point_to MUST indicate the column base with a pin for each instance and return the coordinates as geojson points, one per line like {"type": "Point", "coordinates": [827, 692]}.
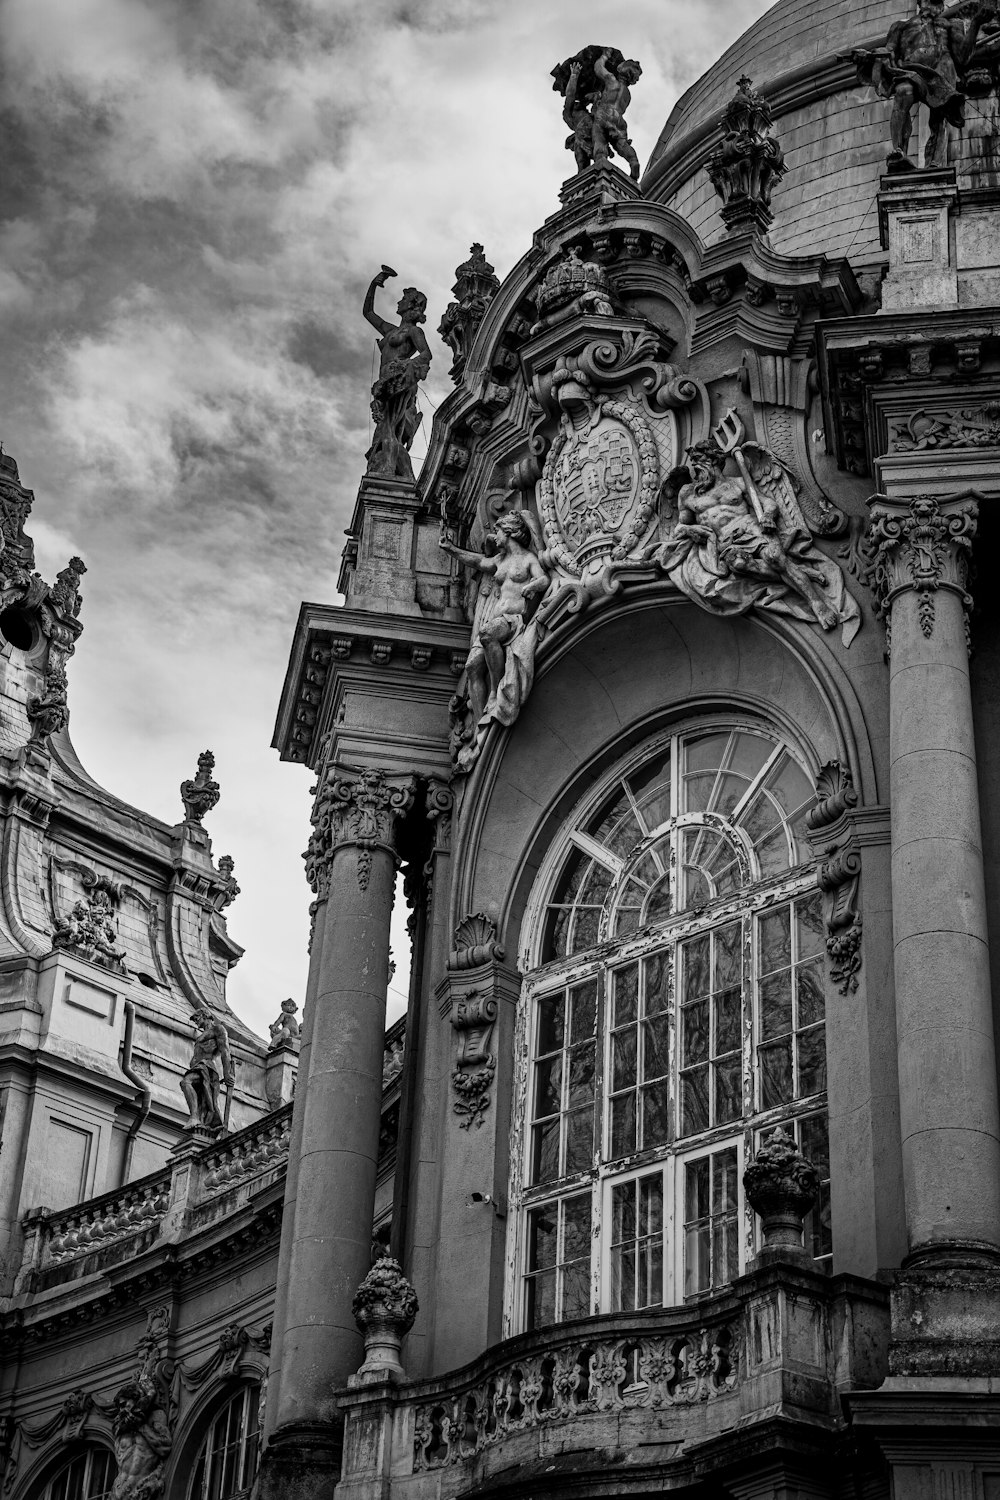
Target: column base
{"type": "Point", "coordinates": [301, 1462]}
{"type": "Point", "coordinates": [945, 1312]}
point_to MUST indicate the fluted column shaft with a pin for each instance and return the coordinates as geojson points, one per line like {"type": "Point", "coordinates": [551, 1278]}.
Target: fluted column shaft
{"type": "Point", "coordinates": [949, 1117]}
{"type": "Point", "coordinates": [330, 1193]}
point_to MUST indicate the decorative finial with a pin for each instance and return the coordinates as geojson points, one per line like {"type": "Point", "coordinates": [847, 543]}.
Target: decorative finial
{"type": "Point", "coordinates": [596, 88]}
{"type": "Point", "coordinates": [748, 163]}
{"type": "Point", "coordinates": [474, 289]}
{"type": "Point", "coordinates": [227, 866]}
{"type": "Point", "coordinates": [200, 795]}
{"type": "Point", "coordinates": [781, 1186]}
{"type": "Point", "coordinates": [404, 361]}
{"type": "Point", "coordinates": [385, 1306]}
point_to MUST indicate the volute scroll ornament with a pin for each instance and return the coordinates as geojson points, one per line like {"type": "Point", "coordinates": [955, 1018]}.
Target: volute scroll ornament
{"type": "Point", "coordinates": [360, 808]}
{"type": "Point", "coordinates": [924, 546]}
{"type": "Point", "coordinates": [474, 1018]}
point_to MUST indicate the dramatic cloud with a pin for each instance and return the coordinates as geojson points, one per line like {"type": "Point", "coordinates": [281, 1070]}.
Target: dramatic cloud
{"type": "Point", "coordinates": [196, 195]}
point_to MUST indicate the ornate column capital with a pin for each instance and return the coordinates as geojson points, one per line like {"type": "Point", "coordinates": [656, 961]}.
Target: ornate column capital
{"type": "Point", "coordinates": [360, 808]}
{"type": "Point", "coordinates": [922, 545]}
{"type": "Point", "coordinates": [440, 809]}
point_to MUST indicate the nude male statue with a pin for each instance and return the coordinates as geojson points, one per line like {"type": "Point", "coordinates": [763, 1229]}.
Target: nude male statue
{"type": "Point", "coordinates": [609, 112]}
{"type": "Point", "coordinates": [200, 1084]}
{"type": "Point", "coordinates": [504, 611]}
{"type": "Point", "coordinates": [579, 119]}
{"type": "Point", "coordinates": [142, 1441]}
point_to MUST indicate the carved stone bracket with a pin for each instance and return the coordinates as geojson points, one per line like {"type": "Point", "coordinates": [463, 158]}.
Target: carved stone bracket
{"type": "Point", "coordinates": [475, 943]}
{"type": "Point", "coordinates": [925, 546]}
{"type": "Point", "coordinates": [360, 808]}
{"type": "Point", "coordinates": [839, 878]}
{"type": "Point", "coordinates": [835, 794]}
{"type": "Point", "coordinates": [474, 1019]}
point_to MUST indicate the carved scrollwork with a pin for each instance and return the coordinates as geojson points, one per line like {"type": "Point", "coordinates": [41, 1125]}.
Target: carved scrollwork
{"type": "Point", "coordinates": [839, 877]}
{"type": "Point", "coordinates": [474, 1018]}
{"type": "Point", "coordinates": [475, 942]}
{"type": "Point", "coordinates": [834, 795]}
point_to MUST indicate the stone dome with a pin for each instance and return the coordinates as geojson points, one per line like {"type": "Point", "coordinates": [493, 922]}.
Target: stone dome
{"type": "Point", "coordinates": [834, 133]}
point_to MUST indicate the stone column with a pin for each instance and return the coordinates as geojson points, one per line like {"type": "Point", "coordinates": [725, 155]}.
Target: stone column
{"type": "Point", "coordinates": [919, 552]}
{"type": "Point", "coordinates": [330, 1193]}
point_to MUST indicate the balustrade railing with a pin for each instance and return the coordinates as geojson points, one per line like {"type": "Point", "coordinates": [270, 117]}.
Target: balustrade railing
{"type": "Point", "coordinates": [572, 1374]}
{"type": "Point", "coordinates": [257, 1149]}
{"type": "Point", "coordinates": [101, 1221]}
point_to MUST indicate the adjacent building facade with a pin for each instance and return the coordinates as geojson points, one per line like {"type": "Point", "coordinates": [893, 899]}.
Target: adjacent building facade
{"type": "Point", "coordinates": [669, 685]}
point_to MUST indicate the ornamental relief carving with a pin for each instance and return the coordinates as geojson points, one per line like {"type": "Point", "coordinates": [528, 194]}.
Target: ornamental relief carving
{"type": "Point", "coordinates": [360, 808]}
{"type": "Point", "coordinates": [924, 546]}
{"type": "Point", "coordinates": [961, 427]}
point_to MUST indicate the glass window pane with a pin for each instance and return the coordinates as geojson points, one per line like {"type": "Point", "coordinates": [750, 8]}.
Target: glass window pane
{"type": "Point", "coordinates": [706, 752]}
{"type": "Point", "coordinates": [657, 982]}
{"type": "Point", "coordinates": [655, 1043]}
{"type": "Point", "coordinates": [659, 904]}
{"type": "Point", "coordinates": [580, 1139]}
{"type": "Point", "coordinates": [809, 926]}
{"type": "Point", "coordinates": [651, 789]}
{"type": "Point", "coordinates": [581, 1074]}
{"type": "Point", "coordinates": [698, 791]}
{"type": "Point", "coordinates": [650, 1273]}
{"type": "Point", "coordinates": [655, 1116]}
{"type": "Point", "coordinates": [811, 1048]}
{"type": "Point", "coordinates": [694, 1032]}
{"type": "Point", "coordinates": [697, 1195]}
{"type": "Point", "coordinates": [542, 1238]}
{"type": "Point", "coordinates": [789, 785]}
{"type": "Point", "coordinates": [596, 886]}
{"type": "Point", "coordinates": [542, 1300]}
{"type": "Point", "coordinates": [773, 941]}
{"type": "Point", "coordinates": [622, 1125]}
{"type": "Point", "coordinates": [776, 1005]}
{"type": "Point", "coordinates": [749, 753]}
{"type": "Point", "coordinates": [626, 994]}
{"type": "Point", "coordinates": [550, 1024]}
{"type": "Point", "coordinates": [623, 1059]}
{"type": "Point", "coordinates": [576, 1290]}
{"type": "Point", "coordinates": [809, 983]}
{"type": "Point", "coordinates": [725, 1190]}
{"type": "Point", "coordinates": [775, 1074]}
{"type": "Point", "coordinates": [728, 1017]}
{"type": "Point", "coordinates": [583, 1011]}
{"type": "Point", "coordinates": [576, 1227]}
{"type": "Point", "coordinates": [545, 1151]}
{"type": "Point", "coordinates": [586, 929]}
{"type": "Point", "coordinates": [728, 1090]}
{"type": "Point", "coordinates": [623, 1277]}
{"type": "Point", "coordinates": [697, 1259]}
{"type": "Point", "coordinates": [651, 1204]}
{"type": "Point", "coordinates": [694, 1101]}
{"type": "Point", "coordinates": [556, 933]}
{"type": "Point", "coordinates": [548, 1085]}
{"type": "Point", "coordinates": [729, 956]}
{"type": "Point", "coordinates": [622, 1212]}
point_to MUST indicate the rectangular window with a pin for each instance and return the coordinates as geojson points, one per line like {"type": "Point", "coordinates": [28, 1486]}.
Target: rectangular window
{"type": "Point", "coordinates": [791, 1053]}
{"type": "Point", "coordinates": [637, 1243]}
{"type": "Point", "coordinates": [557, 1283]}
{"type": "Point", "coordinates": [813, 1137]}
{"type": "Point", "coordinates": [711, 1221]}
{"type": "Point", "coordinates": [640, 1057]}
{"type": "Point", "coordinates": [711, 1027]}
{"type": "Point", "coordinates": [562, 1097]}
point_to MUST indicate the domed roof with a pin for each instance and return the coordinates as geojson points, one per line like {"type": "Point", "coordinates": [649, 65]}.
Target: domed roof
{"type": "Point", "coordinates": [834, 133]}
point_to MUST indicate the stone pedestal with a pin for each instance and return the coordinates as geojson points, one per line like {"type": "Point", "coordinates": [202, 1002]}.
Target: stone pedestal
{"type": "Point", "coordinates": [330, 1194]}
{"type": "Point", "coordinates": [949, 1120]}
{"type": "Point", "coordinates": [915, 211]}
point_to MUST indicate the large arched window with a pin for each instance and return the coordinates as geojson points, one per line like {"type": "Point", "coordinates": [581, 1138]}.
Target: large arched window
{"type": "Point", "coordinates": [673, 1011]}
{"type": "Point", "coordinates": [226, 1465]}
{"type": "Point", "coordinates": [88, 1475]}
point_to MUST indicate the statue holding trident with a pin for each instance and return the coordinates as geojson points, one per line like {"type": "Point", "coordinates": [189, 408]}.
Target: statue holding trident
{"type": "Point", "coordinates": [405, 359]}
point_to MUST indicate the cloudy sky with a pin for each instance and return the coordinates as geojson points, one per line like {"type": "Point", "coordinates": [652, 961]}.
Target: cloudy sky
{"type": "Point", "coordinates": [195, 195]}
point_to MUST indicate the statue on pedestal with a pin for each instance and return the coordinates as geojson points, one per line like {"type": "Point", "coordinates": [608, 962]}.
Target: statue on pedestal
{"type": "Point", "coordinates": [596, 87]}
{"type": "Point", "coordinates": [200, 1084]}
{"type": "Point", "coordinates": [922, 63]}
{"type": "Point", "coordinates": [501, 663]}
{"type": "Point", "coordinates": [405, 360]}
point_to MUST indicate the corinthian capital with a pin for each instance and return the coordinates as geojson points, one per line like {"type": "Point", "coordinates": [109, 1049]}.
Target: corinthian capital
{"type": "Point", "coordinates": [921, 545]}
{"type": "Point", "coordinates": [363, 808]}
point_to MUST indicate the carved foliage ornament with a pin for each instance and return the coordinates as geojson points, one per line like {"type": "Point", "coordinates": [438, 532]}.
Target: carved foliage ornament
{"type": "Point", "coordinates": [360, 808]}
{"type": "Point", "coordinates": [474, 1019]}
{"type": "Point", "coordinates": [748, 162]}
{"type": "Point", "coordinates": [781, 1186]}
{"type": "Point", "coordinates": [200, 794]}
{"type": "Point", "coordinates": [925, 546]}
{"type": "Point", "coordinates": [965, 427]}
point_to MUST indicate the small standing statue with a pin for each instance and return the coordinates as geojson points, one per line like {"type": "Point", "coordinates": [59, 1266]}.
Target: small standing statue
{"type": "Point", "coordinates": [922, 63]}
{"type": "Point", "coordinates": [501, 662]}
{"type": "Point", "coordinates": [405, 360]}
{"type": "Point", "coordinates": [596, 87]}
{"type": "Point", "coordinates": [200, 1084]}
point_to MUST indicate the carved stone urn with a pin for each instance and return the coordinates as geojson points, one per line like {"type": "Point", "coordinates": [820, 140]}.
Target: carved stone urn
{"type": "Point", "coordinates": [781, 1186]}
{"type": "Point", "coordinates": [384, 1308]}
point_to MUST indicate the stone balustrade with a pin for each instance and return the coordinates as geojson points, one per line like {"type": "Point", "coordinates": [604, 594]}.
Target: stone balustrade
{"type": "Point", "coordinates": [257, 1149]}
{"type": "Point", "coordinates": [573, 1375]}
{"type": "Point", "coordinates": [101, 1221]}
{"type": "Point", "coordinates": [780, 1345]}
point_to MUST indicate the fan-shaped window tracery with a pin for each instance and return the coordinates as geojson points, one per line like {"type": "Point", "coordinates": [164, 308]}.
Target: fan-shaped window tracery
{"type": "Point", "coordinates": [673, 1011]}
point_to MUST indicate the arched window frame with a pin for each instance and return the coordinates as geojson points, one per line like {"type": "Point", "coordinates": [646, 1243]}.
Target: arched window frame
{"type": "Point", "coordinates": [804, 1115]}
{"type": "Point", "coordinates": [247, 1457]}
{"type": "Point", "coordinates": [60, 1464]}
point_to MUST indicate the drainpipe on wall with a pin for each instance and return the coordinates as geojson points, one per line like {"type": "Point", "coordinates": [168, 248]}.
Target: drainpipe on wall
{"type": "Point", "coordinates": [144, 1091]}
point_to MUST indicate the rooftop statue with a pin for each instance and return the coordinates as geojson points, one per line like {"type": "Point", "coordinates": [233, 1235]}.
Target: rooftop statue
{"type": "Point", "coordinates": [922, 62]}
{"type": "Point", "coordinates": [501, 662]}
{"type": "Point", "coordinates": [596, 89]}
{"type": "Point", "coordinates": [405, 360]}
{"type": "Point", "coordinates": [741, 540]}
{"type": "Point", "coordinates": [200, 1084]}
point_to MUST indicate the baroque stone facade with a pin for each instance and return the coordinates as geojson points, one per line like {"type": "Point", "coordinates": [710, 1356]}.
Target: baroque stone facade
{"type": "Point", "coordinates": [666, 690]}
